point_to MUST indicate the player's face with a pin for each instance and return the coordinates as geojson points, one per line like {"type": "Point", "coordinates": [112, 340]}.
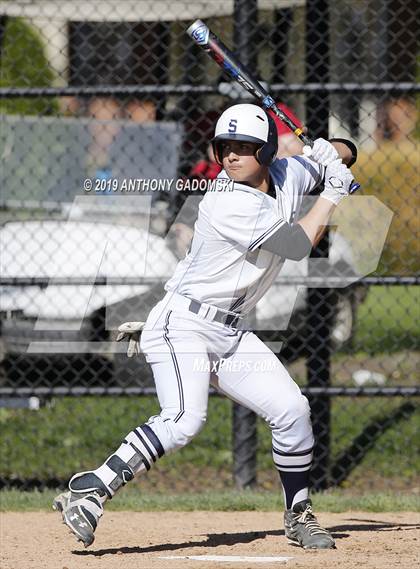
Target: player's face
{"type": "Point", "coordinates": [239, 161]}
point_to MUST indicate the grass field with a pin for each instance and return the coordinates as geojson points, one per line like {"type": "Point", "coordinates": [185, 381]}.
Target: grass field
{"type": "Point", "coordinates": [132, 499]}
{"type": "Point", "coordinates": [76, 434]}
{"type": "Point", "coordinates": [388, 320]}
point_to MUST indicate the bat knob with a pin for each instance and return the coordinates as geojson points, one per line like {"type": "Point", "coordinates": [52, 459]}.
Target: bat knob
{"type": "Point", "coordinates": [307, 150]}
{"type": "Point", "coordinates": [354, 186]}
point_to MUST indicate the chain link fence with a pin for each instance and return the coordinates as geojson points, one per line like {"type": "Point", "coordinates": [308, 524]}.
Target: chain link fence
{"type": "Point", "coordinates": [105, 107]}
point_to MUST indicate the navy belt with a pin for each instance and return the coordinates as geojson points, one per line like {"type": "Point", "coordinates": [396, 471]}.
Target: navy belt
{"type": "Point", "coordinates": [220, 316]}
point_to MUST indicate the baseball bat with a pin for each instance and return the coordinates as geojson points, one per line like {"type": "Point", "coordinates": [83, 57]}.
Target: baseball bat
{"type": "Point", "coordinates": [217, 50]}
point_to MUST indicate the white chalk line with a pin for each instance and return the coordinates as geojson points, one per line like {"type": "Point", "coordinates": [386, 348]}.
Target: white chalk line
{"type": "Point", "coordinates": [230, 558]}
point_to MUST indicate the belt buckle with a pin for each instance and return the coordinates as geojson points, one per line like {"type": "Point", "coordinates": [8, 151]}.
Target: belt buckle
{"type": "Point", "coordinates": [211, 312]}
{"type": "Point", "coordinates": [203, 310]}
{"type": "Point", "coordinates": [231, 320]}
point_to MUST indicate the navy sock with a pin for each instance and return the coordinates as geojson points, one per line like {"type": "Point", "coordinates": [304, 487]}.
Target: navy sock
{"type": "Point", "coordinates": [295, 487]}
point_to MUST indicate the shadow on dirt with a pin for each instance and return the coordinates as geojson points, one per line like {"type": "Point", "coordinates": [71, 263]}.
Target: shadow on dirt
{"type": "Point", "coordinates": [217, 539]}
{"type": "Point", "coordinates": [372, 525]}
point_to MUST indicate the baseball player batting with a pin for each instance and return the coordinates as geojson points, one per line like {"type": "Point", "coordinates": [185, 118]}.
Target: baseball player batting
{"type": "Point", "coordinates": [197, 336]}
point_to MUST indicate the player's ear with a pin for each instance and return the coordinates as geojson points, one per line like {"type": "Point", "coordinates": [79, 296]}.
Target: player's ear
{"type": "Point", "coordinates": [257, 155]}
{"type": "Point", "coordinates": [217, 151]}
{"type": "Point", "coordinates": [263, 155]}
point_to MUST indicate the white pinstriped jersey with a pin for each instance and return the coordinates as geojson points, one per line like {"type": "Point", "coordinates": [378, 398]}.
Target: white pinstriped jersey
{"type": "Point", "coordinates": [225, 266]}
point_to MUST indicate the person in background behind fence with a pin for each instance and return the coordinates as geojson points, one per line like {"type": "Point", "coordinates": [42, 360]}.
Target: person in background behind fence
{"type": "Point", "coordinates": [196, 335]}
{"type": "Point", "coordinates": [108, 114]}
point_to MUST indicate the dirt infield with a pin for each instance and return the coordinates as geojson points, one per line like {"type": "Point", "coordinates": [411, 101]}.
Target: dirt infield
{"type": "Point", "coordinates": [141, 540]}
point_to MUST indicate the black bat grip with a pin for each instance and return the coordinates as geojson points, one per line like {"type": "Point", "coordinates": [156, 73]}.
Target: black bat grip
{"type": "Point", "coordinates": [296, 129]}
{"type": "Point", "coordinates": [305, 139]}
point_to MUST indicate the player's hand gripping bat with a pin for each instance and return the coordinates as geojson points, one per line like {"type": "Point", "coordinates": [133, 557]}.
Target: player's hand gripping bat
{"type": "Point", "coordinates": [216, 49]}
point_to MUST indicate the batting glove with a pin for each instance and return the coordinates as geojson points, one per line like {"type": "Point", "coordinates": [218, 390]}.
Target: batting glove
{"type": "Point", "coordinates": [322, 152]}
{"type": "Point", "coordinates": [131, 331]}
{"type": "Point", "coordinates": [338, 182]}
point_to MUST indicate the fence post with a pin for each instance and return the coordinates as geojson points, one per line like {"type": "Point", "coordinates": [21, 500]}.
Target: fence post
{"type": "Point", "coordinates": [244, 425]}
{"type": "Point", "coordinates": [244, 421]}
{"type": "Point", "coordinates": [244, 439]}
{"type": "Point", "coordinates": [319, 308]}
{"type": "Point", "coordinates": [245, 25]}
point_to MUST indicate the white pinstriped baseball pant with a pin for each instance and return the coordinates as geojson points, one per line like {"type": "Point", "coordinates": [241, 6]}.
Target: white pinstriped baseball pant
{"type": "Point", "coordinates": [187, 353]}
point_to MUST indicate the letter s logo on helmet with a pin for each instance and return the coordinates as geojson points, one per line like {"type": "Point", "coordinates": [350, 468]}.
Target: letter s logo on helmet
{"type": "Point", "coordinates": [232, 125]}
{"type": "Point", "coordinates": [248, 123]}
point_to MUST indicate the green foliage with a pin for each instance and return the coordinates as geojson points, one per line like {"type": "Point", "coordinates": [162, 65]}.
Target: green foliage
{"type": "Point", "coordinates": [23, 64]}
{"type": "Point", "coordinates": [391, 173]}
{"type": "Point", "coordinates": [417, 99]}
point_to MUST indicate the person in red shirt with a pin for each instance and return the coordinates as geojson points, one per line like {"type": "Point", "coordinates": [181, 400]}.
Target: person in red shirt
{"type": "Point", "coordinates": [207, 168]}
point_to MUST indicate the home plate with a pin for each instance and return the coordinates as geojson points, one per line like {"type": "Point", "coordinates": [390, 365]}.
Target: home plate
{"type": "Point", "coordinates": [231, 558]}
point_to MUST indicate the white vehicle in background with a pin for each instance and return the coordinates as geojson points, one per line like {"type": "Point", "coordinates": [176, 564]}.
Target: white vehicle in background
{"type": "Point", "coordinates": [61, 334]}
